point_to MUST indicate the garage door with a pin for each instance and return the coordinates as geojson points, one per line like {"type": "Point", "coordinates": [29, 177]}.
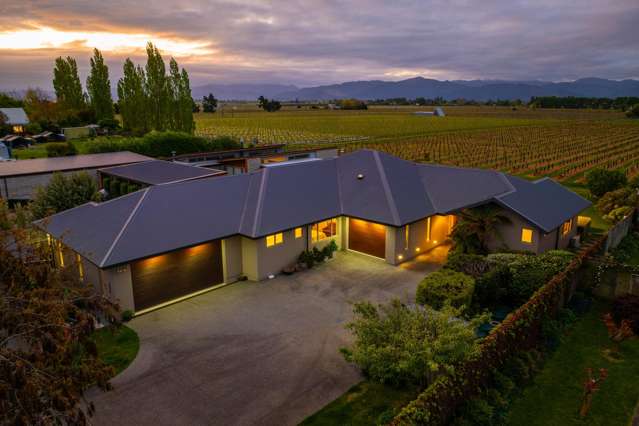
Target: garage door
{"type": "Point", "coordinates": [172, 275]}
{"type": "Point", "coordinates": [367, 237]}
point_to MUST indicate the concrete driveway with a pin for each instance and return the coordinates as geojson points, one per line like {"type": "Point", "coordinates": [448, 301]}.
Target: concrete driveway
{"type": "Point", "coordinates": [252, 353]}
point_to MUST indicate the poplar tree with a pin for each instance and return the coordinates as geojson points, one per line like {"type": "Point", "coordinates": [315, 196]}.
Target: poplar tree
{"type": "Point", "coordinates": [132, 99]}
{"type": "Point", "coordinates": [156, 87]}
{"type": "Point", "coordinates": [181, 101]}
{"type": "Point", "coordinates": [66, 82]}
{"type": "Point", "coordinates": [99, 88]}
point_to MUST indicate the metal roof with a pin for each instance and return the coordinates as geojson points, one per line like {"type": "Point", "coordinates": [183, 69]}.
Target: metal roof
{"type": "Point", "coordinates": [156, 172]}
{"type": "Point", "coordinates": [73, 162]}
{"type": "Point", "coordinates": [15, 116]}
{"type": "Point", "coordinates": [366, 184]}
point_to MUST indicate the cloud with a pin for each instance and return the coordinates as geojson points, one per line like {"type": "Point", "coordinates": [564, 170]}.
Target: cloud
{"type": "Point", "coordinates": [324, 41]}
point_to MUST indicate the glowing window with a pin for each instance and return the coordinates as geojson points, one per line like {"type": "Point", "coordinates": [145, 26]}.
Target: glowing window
{"type": "Point", "coordinates": [566, 227]}
{"type": "Point", "coordinates": [526, 235]}
{"type": "Point", "coordinates": [61, 255]}
{"type": "Point", "coordinates": [78, 260]}
{"type": "Point", "coordinates": [298, 232]}
{"type": "Point", "coordinates": [274, 239]}
{"type": "Point", "coordinates": [428, 229]}
{"type": "Point", "coordinates": [322, 230]}
{"type": "Point", "coordinates": [406, 236]}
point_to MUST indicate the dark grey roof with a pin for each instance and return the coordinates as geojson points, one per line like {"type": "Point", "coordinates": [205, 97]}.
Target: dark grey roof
{"type": "Point", "coordinates": [15, 115]}
{"type": "Point", "coordinates": [73, 162]}
{"type": "Point", "coordinates": [156, 172]}
{"type": "Point", "coordinates": [390, 191]}
{"type": "Point", "coordinates": [544, 203]}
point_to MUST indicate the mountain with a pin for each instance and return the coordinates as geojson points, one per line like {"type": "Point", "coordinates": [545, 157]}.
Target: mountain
{"type": "Point", "coordinates": [480, 90]}
{"type": "Point", "coordinates": [241, 92]}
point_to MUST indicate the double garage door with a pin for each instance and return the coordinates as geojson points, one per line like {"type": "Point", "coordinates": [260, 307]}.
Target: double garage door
{"type": "Point", "coordinates": [367, 237]}
{"type": "Point", "coordinates": [169, 276]}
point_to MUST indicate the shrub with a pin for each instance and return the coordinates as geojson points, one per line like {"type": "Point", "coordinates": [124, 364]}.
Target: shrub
{"type": "Point", "coordinates": [60, 149]}
{"type": "Point", "coordinates": [492, 287]}
{"type": "Point", "coordinates": [618, 214]}
{"type": "Point", "coordinates": [627, 308]}
{"type": "Point", "coordinates": [633, 111]}
{"type": "Point", "coordinates": [619, 198]}
{"type": "Point", "coordinates": [470, 264]}
{"type": "Point", "coordinates": [396, 344]}
{"type": "Point", "coordinates": [476, 412]}
{"type": "Point", "coordinates": [329, 249]}
{"type": "Point", "coordinates": [62, 193]}
{"type": "Point", "coordinates": [446, 286]}
{"type": "Point", "coordinates": [127, 315]}
{"type": "Point", "coordinates": [627, 249]}
{"type": "Point", "coordinates": [600, 181]}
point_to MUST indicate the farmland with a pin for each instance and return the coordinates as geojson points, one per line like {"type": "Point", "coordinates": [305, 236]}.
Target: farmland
{"type": "Point", "coordinates": [560, 143]}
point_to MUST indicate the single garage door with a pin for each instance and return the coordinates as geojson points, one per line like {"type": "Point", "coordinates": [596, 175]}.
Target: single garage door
{"type": "Point", "coordinates": [162, 278]}
{"type": "Point", "coordinates": [367, 237]}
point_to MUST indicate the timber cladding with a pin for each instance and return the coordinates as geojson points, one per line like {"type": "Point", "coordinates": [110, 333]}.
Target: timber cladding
{"type": "Point", "coordinates": [168, 276]}
{"type": "Point", "coordinates": [367, 237]}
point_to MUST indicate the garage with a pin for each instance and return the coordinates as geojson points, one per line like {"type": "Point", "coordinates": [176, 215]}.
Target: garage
{"type": "Point", "coordinates": [367, 237]}
{"type": "Point", "coordinates": [172, 275]}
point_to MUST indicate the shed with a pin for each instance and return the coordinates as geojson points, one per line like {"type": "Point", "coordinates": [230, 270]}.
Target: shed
{"type": "Point", "coordinates": [16, 118]}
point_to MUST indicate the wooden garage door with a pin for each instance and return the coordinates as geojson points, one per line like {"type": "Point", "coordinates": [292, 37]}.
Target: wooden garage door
{"type": "Point", "coordinates": [367, 237]}
{"type": "Point", "coordinates": [169, 276]}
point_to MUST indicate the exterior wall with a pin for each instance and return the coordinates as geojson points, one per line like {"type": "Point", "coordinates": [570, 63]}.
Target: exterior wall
{"type": "Point", "coordinates": [24, 187]}
{"type": "Point", "coordinates": [271, 260]}
{"type": "Point", "coordinates": [564, 241]}
{"type": "Point", "coordinates": [232, 258]}
{"type": "Point", "coordinates": [511, 234]}
{"type": "Point", "coordinates": [326, 153]}
{"type": "Point", "coordinates": [118, 286]}
{"type": "Point", "coordinates": [338, 238]}
{"type": "Point", "coordinates": [547, 241]}
{"type": "Point", "coordinates": [249, 258]}
{"type": "Point", "coordinates": [418, 241]}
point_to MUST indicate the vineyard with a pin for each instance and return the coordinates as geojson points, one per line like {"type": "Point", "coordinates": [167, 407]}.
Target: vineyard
{"type": "Point", "coordinates": [559, 143]}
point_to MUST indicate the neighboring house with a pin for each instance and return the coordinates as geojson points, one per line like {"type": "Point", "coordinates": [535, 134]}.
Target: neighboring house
{"type": "Point", "coordinates": [147, 173]}
{"type": "Point", "coordinates": [16, 118]}
{"type": "Point", "coordinates": [17, 141]}
{"type": "Point", "coordinates": [169, 241]}
{"type": "Point", "coordinates": [48, 136]}
{"type": "Point", "coordinates": [20, 179]}
{"type": "Point", "coordinates": [245, 160]}
{"type": "Point", "coordinates": [438, 112]}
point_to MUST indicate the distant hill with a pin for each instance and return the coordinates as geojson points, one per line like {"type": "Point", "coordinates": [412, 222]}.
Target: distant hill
{"type": "Point", "coordinates": [480, 90]}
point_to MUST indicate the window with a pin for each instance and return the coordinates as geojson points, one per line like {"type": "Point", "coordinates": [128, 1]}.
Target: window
{"type": "Point", "coordinates": [322, 230]}
{"type": "Point", "coordinates": [61, 255]}
{"type": "Point", "coordinates": [428, 229]}
{"type": "Point", "coordinates": [526, 235]}
{"type": "Point", "coordinates": [566, 227]}
{"type": "Point", "coordinates": [406, 236]}
{"type": "Point", "coordinates": [78, 260]}
{"type": "Point", "coordinates": [274, 239]}
{"type": "Point", "coordinates": [298, 233]}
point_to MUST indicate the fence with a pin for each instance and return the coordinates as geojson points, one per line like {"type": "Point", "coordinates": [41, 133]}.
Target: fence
{"type": "Point", "coordinates": [618, 232]}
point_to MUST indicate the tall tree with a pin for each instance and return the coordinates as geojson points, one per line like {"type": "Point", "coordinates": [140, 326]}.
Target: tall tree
{"type": "Point", "coordinates": [132, 99]}
{"type": "Point", "coordinates": [66, 82]}
{"type": "Point", "coordinates": [99, 88]}
{"type": "Point", "coordinates": [156, 87]}
{"type": "Point", "coordinates": [186, 103]}
{"type": "Point", "coordinates": [181, 102]}
{"type": "Point", "coordinates": [209, 103]}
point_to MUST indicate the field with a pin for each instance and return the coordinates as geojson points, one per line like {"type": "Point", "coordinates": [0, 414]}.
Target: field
{"type": "Point", "coordinates": [560, 143]}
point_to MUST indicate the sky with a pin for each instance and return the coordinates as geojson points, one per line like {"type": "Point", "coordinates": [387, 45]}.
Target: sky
{"type": "Point", "coordinates": [314, 42]}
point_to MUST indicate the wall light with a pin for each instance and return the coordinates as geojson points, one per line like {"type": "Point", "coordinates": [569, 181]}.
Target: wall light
{"type": "Point", "coordinates": [435, 241]}
{"type": "Point", "coordinates": [417, 249]}
{"type": "Point", "coordinates": [400, 257]}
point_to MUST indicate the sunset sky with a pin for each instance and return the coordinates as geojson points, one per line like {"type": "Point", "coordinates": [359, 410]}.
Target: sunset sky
{"type": "Point", "coordinates": [317, 42]}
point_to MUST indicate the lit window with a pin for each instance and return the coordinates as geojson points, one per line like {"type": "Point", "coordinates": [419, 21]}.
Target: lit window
{"type": "Point", "coordinates": [78, 259]}
{"type": "Point", "coordinates": [322, 230]}
{"type": "Point", "coordinates": [428, 229]}
{"type": "Point", "coordinates": [298, 232]}
{"type": "Point", "coordinates": [274, 239]}
{"type": "Point", "coordinates": [566, 227]}
{"type": "Point", "coordinates": [526, 235]}
{"type": "Point", "coordinates": [406, 236]}
{"type": "Point", "coordinates": [61, 255]}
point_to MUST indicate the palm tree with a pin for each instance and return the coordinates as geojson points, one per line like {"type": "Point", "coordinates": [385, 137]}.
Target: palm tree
{"type": "Point", "coordinates": [476, 227]}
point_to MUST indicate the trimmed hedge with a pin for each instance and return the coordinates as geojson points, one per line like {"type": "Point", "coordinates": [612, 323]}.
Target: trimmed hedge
{"type": "Point", "coordinates": [446, 286]}
{"type": "Point", "coordinates": [521, 330]}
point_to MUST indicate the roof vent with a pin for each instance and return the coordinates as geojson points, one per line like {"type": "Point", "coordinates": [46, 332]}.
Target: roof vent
{"type": "Point", "coordinates": [360, 176]}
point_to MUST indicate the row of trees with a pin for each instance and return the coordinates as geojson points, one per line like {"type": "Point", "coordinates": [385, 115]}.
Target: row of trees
{"type": "Point", "coordinates": [622, 103]}
{"type": "Point", "coordinates": [150, 98]}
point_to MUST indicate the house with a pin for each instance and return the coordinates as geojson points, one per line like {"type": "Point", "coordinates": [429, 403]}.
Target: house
{"type": "Point", "coordinates": [48, 136]}
{"type": "Point", "coordinates": [20, 179]}
{"type": "Point", "coordinates": [438, 112]}
{"type": "Point", "coordinates": [17, 141]}
{"type": "Point", "coordinates": [147, 173]}
{"type": "Point", "coordinates": [246, 160]}
{"type": "Point", "coordinates": [166, 242]}
{"type": "Point", "coordinates": [16, 118]}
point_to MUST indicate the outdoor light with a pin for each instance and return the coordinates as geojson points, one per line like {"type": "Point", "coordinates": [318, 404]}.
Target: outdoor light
{"type": "Point", "coordinates": [435, 241]}
{"type": "Point", "coordinates": [417, 249]}
{"type": "Point", "coordinates": [400, 257]}
{"type": "Point", "coordinates": [360, 176]}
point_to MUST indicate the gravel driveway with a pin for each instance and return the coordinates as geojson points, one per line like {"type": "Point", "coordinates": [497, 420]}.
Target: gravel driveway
{"type": "Point", "coordinates": [252, 353]}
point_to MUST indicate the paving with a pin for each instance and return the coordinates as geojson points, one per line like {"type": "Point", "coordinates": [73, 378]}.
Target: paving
{"type": "Point", "coordinates": [252, 353]}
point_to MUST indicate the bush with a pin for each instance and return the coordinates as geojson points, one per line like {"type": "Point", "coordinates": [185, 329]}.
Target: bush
{"type": "Point", "coordinates": [62, 193]}
{"type": "Point", "coordinates": [633, 111]}
{"type": "Point", "coordinates": [61, 149]}
{"type": "Point", "coordinates": [627, 249]}
{"type": "Point", "coordinates": [618, 214]}
{"type": "Point", "coordinates": [396, 344]}
{"type": "Point", "coordinates": [161, 144]}
{"type": "Point", "coordinates": [618, 198]}
{"type": "Point", "coordinates": [127, 315]}
{"type": "Point", "coordinates": [627, 308]}
{"type": "Point", "coordinates": [470, 264]}
{"type": "Point", "coordinates": [476, 412]}
{"type": "Point", "coordinates": [446, 286]}
{"type": "Point", "coordinates": [492, 288]}
{"type": "Point", "coordinates": [600, 181]}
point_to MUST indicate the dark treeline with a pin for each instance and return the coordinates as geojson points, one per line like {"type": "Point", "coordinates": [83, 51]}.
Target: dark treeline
{"type": "Point", "coordinates": [622, 103]}
{"type": "Point", "coordinates": [439, 101]}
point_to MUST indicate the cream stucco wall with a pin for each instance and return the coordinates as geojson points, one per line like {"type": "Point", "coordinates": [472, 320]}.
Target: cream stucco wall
{"type": "Point", "coordinates": [232, 258]}
{"type": "Point", "coordinates": [418, 242]}
{"type": "Point", "coordinates": [271, 260]}
{"type": "Point", "coordinates": [118, 286]}
{"type": "Point", "coordinates": [249, 258]}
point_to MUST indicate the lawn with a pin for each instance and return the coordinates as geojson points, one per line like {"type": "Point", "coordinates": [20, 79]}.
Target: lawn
{"type": "Point", "coordinates": [363, 404]}
{"type": "Point", "coordinates": [555, 396]}
{"type": "Point", "coordinates": [117, 347]}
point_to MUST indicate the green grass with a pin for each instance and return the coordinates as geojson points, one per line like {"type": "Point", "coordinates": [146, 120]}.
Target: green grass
{"type": "Point", "coordinates": [598, 222]}
{"type": "Point", "coordinates": [555, 396]}
{"type": "Point", "coordinates": [363, 404]}
{"type": "Point", "coordinates": [117, 347]}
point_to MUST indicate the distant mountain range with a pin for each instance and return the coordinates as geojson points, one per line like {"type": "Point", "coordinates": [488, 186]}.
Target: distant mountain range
{"type": "Point", "coordinates": [479, 90]}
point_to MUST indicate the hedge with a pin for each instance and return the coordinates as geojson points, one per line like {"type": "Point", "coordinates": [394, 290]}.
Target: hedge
{"type": "Point", "coordinates": [446, 286]}
{"type": "Point", "coordinates": [521, 330]}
